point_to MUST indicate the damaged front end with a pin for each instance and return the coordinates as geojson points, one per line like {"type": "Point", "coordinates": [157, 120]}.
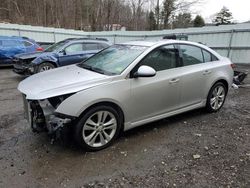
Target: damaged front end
{"type": "Point", "coordinates": [42, 117]}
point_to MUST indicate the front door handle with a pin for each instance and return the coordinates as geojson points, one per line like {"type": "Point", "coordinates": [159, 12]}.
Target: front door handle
{"type": "Point", "coordinates": [207, 72]}
{"type": "Point", "coordinates": [175, 80]}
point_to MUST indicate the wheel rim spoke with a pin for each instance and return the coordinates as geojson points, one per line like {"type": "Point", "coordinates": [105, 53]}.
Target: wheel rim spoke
{"type": "Point", "coordinates": [106, 136]}
{"type": "Point", "coordinates": [92, 141]}
{"type": "Point", "coordinates": [102, 139]}
{"type": "Point", "coordinates": [89, 128]}
{"type": "Point", "coordinates": [213, 100]}
{"type": "Point", "coordinates": [110, 122]}
{"type": "Point", "coordinates": [90, 137]}
{"type": "Point", "coordinates": [91, 122]}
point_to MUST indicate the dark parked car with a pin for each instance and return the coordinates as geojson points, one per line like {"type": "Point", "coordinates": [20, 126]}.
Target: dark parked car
{"type": "Point", "coordinates": [11, 46]}
{"type": "Point", "coordinates": [66, 52]}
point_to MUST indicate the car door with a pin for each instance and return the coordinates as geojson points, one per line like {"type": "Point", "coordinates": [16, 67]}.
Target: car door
{"type": "Point", "coordinates": [72, 54]}
{"type": "Point", "coordinates": [159, 94]}
{"type": "Point", "coordinates": [193, 76]}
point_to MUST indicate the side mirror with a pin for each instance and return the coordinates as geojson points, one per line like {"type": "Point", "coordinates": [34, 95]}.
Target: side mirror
{"type": "Point", "coordinates": [145, 71]}
{"type": "Point", "coordinates": [63, 52]}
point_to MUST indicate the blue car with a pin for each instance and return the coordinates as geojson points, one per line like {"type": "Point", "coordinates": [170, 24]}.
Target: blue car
{"type": "Point", "coordinates": [11, 46]}
{"type": "Point", "coordinates": [66, 52]}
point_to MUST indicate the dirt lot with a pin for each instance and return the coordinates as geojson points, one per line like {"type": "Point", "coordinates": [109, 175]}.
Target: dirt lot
{"type": "Point", "coordinates": [194, 149]}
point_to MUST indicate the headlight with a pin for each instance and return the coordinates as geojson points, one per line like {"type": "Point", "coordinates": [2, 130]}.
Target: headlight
{"type": "Point", "coordinates": [31, 69]}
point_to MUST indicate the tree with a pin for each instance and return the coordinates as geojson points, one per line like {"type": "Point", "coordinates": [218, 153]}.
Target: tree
{"type": "Point", "coordinates": [169, 6]}
{"type": "Point", "coordinates": [151, 21]}
{"type": "Point", "coordinates": [223, 17]}
{"type": "Point", "coordinates": [199, 21]}
{"type": "Point", "coordinates": [182, 20]}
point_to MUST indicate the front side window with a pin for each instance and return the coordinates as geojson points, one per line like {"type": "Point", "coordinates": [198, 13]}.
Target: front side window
{"type": "Point", "coordinates": [55, 47]}
{"type": "Point", "coordinates": [113, 60]}
{"type": "Point", "coordinates": [191, 55]}
{"type": "Point", "coordinates": [74, 48]}
{"type": "Point", "coordinates": [162, 58]}
{"type": "Point", "coordinates": [27, 44]}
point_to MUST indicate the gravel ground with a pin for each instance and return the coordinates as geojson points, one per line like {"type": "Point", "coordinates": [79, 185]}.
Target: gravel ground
{"type": "Point", "coordinates": [194, 149]}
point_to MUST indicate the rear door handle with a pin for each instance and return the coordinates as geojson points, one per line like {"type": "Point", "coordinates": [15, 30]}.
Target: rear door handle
{"type": "Point", "coordinates": [207, 72]}
{"type": "Point", "coordinates": [175, 80]}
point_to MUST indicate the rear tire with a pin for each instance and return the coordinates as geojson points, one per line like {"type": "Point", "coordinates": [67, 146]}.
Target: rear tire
{"type": "Point", "coordinates": [216, 97]}
{"type": "Point", "coordinates": [98, 128]}
{"type": "Point", "coordinates": [44, 67]}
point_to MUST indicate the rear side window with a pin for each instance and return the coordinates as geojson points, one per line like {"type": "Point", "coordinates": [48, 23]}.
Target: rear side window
{"type": "Point", "coordinates": [10, 43]}
{"type": "Point", "coordinates": [102, 45]}
{"type": "Point", "coordinates": [27, 44]}
{"type": "Point", "coordinates": [208, 57]}
{"type": "Point", "coordinates": [191, 55]}
{"type": "Point", "coordinates": [162, 58]}
{"type": "Point", "coordinates": [91, 46]}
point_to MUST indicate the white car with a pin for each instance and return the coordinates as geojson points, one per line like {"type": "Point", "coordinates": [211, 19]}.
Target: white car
{"type": "Point", "coordinates": [125, 86]}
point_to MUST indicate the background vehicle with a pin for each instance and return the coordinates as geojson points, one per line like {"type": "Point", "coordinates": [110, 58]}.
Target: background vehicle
{"type": "Point", "coordinates": [66, 52]}
{"type": "Point", "coordinates": [125, 86]}
{"type": "Point", "coordinates": [11, 46]}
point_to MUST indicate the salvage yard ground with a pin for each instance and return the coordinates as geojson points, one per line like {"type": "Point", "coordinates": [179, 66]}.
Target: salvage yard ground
{"type": "Point", "coordinates": [194, 149]}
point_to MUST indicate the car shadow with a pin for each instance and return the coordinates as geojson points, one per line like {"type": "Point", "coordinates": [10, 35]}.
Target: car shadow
{"type": "Point", "coordinates": [166, 123]}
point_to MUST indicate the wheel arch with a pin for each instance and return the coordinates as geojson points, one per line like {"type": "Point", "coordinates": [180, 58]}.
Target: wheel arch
{"type": "Point", "coordinates": [106, 103]}
{"type": "Point", "coordinates": [222, 80]}
{"type": "Point", "coordinates": [52, 62]}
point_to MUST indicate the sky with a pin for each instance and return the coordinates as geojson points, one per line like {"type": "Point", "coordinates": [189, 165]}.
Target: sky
{"type": "Point", "coordinates": [239, 8]}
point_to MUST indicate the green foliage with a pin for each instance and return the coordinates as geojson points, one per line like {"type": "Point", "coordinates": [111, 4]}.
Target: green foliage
{"type": "Point", "coordinates": [223, 17]}
{"type": "Point", "coordinates": [182, 20]}
{"type": "Point", "coordinates": [151, 21]}
{"type": "Point", "coordinates": [198, 21]}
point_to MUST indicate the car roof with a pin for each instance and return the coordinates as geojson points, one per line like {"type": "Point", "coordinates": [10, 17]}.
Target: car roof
{"type": "Point", "coordinates": [160, 42]}
{"type": "Point", "coordinates": [99, 40]}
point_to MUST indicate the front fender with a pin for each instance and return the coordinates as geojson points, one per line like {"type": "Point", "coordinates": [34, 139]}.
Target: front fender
{"type": "Point", "coordinates": [46, 58]}
{"type": "Point", "coordinates": [118, 93]}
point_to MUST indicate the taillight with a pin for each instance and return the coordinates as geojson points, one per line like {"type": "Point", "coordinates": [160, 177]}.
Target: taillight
{"type": "Point", "coordinates": [39, 49]}
{"type": "Point", "coordinates": [233, 65]}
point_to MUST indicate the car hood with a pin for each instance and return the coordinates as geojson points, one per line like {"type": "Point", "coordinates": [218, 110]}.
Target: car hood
{"type": "Point", "coordinates": [33, 55]}
{"type": "Point", "coordinates": [60, 81]}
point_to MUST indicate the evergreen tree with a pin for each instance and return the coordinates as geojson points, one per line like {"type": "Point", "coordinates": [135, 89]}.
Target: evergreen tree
{"type": "Point", "coordinates": [151, 21]}
{"type": "Point", "coordinates": [182, 20]}
{"type": "Point", "coordinates": [223, 17]}
{"type": "Point", "coordinates": [199, 21]}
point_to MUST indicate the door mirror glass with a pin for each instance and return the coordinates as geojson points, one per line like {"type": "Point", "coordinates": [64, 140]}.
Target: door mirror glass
{"type": "Point", "coordinates": [145, 71]}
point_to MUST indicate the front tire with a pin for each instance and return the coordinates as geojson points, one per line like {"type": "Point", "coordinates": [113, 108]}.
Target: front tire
{"type": "Point", "coordinates": [45, 67]}
{"type": "Point", "coordinates": [216, 97]}
{"type": "Point", "coordinates": [98, 128]}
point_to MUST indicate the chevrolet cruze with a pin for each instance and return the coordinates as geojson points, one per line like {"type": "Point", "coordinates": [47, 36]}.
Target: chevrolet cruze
{"type": "Point", "coordinates": [125, 86]}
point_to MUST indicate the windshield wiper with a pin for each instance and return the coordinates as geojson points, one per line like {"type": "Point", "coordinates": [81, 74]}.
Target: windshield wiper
{"type": "Point", "coordinates": [95, 69]}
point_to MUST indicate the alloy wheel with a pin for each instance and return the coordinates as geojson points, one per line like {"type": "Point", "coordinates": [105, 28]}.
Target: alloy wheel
{"type": "Point", "coordinates": [218, 97]}
{"type": "Point", "coordinates": [99, 128]}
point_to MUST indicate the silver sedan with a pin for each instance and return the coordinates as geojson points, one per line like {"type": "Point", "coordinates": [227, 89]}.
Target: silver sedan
{"type": "Point", "coordinates": [125, 86]}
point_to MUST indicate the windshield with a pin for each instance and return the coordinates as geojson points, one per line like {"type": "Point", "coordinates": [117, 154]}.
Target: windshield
{"type": "Point", "coordinates": [114, 59]}
{"type": "Point", "coordinates": [55, 47]}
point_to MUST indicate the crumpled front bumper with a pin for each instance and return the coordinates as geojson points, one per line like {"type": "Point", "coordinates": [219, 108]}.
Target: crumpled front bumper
{"type": "Point", "coordinates": [23, 68]}
{"type": "Point", "coordinates": [42, 118]}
